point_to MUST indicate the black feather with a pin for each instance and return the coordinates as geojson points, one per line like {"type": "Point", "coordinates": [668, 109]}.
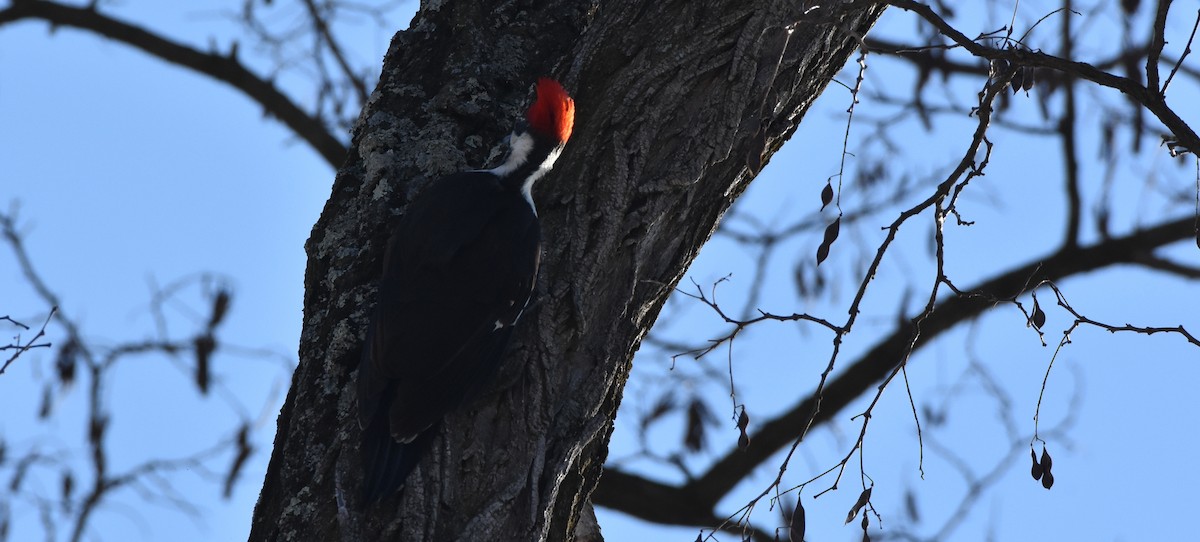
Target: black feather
{"type": "Point", "coordinates": [458, 273]}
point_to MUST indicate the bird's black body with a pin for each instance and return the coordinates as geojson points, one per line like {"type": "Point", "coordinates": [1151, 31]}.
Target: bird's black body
{"type": "Point", "coordinates": [459, 271]}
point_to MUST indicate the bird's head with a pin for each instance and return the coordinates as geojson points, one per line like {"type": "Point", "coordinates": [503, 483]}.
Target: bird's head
{"type": "Point", "coordinates": [536, 142]}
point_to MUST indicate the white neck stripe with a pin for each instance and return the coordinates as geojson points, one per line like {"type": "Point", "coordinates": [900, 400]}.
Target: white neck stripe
{"type": "Point", "coordinates": [542, 170]}
{"type": "Point", "coordinates": [522, 145]}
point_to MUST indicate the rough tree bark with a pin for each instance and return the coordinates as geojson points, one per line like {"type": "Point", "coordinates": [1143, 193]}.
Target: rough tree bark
{"type": "Point", "coordinates": [679, 104]}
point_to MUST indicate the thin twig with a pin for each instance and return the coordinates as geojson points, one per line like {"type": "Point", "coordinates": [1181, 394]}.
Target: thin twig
{"type": "Point", "coordinates": [30, 344]}
{"type": "Point", "coordinates": [221, 67]}
{"type": "Point", "coordinates": [1187, 49]}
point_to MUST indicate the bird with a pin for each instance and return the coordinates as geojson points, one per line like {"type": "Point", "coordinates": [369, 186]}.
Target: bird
{"type": "Point", "coordinates": [458, 272]}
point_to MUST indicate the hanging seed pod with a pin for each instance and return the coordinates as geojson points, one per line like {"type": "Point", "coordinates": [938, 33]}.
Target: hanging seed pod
{"type": "Point", "coordinates": [204, 345]}
{"type": "Point", "coordinates": [796, 525]}
{"type": "Point", "coordinates": [220, 308]}
{"type": "Point", "coordinates": [1018, 79]}
{"type": "Point", "coordinates": [1038, 318]}
{"type": "Point", "coordinates": [1047, 480]}
{"type": "Point", "coordinates": [831, 234]}
{"type": "Point", "coordinates": [743, 422]}
{"type": "Point", "coordinates": [863, 499]}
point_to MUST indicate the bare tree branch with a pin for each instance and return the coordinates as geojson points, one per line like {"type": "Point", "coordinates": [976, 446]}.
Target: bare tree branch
{"type": "Point", "coordinates": [322, 28]}
{"type": "Point", "coordinates": [1152, 100]}
{"type": "Point", "coordinates": [32, 343]}
{"type": "Point", "coordinates": [224, 68]}
{"type": "Point", "coordinates": [644, 498]}
{"type": "Point", "coordinates": [150, 477]}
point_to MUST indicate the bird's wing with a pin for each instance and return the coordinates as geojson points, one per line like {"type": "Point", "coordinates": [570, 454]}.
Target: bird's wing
{"type": "Point", "coordinates": [458, 274]}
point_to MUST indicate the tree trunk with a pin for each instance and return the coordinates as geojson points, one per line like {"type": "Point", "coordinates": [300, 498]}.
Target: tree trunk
{"type": "Point", "coordinates": [678, 105]}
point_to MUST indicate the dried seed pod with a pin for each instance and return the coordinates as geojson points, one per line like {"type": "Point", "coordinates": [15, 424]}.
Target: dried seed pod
{"type": "Point", "coordinates": [220, 307]}
{"type": "Point", "coordinates": [863, 499]}
{"type": "Point", "coordinates": [1038, 318]}
{"type": "Point", "coordinates": [742, 423]}
{"type": "Point", "coordinates": [65, 363]}
{"type": "Point", "coordinates": [826, 195]}
{"type": "Point", "coordinates": [796, 530]}
{"type": "Point", "coordinates": [244, 449]}
{"type": "Point", "coordinates": [1047, 480]}
{"type": "Point", "coordinates": [831, 234]}
{"type": "Point", "coordinates": [1037, 468]}
{"type": "Point", "coordinates": [204, 345]}
{"type": "Point", "coordinates": [1046, 461]}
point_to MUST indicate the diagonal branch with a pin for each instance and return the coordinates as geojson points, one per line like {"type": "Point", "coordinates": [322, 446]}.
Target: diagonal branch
{"type": "Point", "coordinates": [225, 68]}
{"type": "Point", "coordinates": [645, 498]}
{"type": "Point", "coordinates": [1151, 99]}
{"type": "Point", "coordinates": [322, 28]}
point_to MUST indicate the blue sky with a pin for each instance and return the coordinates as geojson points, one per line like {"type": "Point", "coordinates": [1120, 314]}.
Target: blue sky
{"type": "Point", "coordinates": [129, 172]}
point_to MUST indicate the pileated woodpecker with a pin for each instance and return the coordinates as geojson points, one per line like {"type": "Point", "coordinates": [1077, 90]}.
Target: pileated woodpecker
{"type": "Point", "coordinates": [459, 270]}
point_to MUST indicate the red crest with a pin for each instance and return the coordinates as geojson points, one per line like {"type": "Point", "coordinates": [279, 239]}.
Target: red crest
{"type": "Point", "coordinates": [553, 112]}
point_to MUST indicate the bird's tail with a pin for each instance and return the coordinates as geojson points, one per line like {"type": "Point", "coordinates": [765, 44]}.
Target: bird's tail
{"type": "Point", "coordinates": [386, 462]}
